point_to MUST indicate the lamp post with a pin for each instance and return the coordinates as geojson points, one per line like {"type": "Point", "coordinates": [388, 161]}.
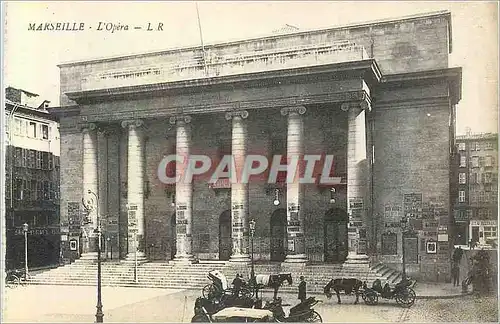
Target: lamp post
{"type": "Point", "coordinates": [403, 234]}
{"type": "Point", "coordinates": [136, 278]}
{"type": "Point", "coordinates": [252, 232]}
{"type": "Point", "coordinates": [99, 314]}
{"type": "Point", "coordinates": [25, 231]}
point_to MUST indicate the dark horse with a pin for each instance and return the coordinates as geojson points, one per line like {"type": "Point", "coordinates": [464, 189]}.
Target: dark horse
{"type": "Point", "coordinates": [346, 284]}
{"type": "Point", "coordinates": [272, 281]}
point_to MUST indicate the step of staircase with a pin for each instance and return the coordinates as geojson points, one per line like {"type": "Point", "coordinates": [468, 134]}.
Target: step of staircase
{"type": "Point", "coordinates": [194, 276]}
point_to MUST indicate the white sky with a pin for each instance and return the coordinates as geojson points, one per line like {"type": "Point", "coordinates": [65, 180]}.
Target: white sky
{"type": "Point", "coordinates": [31, 57]}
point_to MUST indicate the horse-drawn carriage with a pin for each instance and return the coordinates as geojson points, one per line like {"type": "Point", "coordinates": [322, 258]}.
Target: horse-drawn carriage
{"type": "Point", "coordinates": [219, 303]}
{"type": "Point", "coordinates": [403, 292]}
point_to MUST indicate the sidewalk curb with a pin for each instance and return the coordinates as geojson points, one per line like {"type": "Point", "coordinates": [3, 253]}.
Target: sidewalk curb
{"type": "Point", "coordinates": [444, 296]}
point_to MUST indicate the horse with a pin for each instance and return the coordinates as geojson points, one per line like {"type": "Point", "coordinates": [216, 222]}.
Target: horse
{"type": "Point", "coordinates": [346, 284]}
{"type": "Point", "coordinates": [272, 281]}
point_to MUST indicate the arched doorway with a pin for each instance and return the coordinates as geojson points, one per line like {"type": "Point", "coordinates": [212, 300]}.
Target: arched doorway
{"type": "Point", "coordinates": [173, 236]}
{"type": "Point", "coordinates": [335, 235]}
{"type": "Point", "coordinates": [278, 235]}
{"type": "Point", "coordinates": [225, 241]}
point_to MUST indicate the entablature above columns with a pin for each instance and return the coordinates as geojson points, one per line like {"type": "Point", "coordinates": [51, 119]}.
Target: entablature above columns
{"type": "Point", "coordinates": [158, 109]}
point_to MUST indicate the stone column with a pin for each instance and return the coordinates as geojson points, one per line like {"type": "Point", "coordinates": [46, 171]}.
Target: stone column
{"type": "Point", "coordinates": [239, 190]}
{"type": "Point", "coordinates": [135, 189]}
{"type": "Point", "coordinates": [183, 191]}
{"type": "Point", "coordinates": [90, 186]}
{"type": "Point", "coordinates": [294, 193]}
{"type": "Point", "coordinates": [357, 168]}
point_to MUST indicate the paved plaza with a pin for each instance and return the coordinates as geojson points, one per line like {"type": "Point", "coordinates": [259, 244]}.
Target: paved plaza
{"type": "Point", "coordinates": [70, 304]}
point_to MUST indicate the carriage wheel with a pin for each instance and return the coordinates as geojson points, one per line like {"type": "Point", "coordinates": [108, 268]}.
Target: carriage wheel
{"type": "Point", "coordinates": [199, 318]}
{"type": "Point", "coordinates": [13, 281]}
{"type": "Point", "coordinates": [314, 318]}
{"type": "Point", "coordinates": [371, 298]}
{"type": "Point", "coordinates": [406, 298]}
{"type": "Point", "coordinates": [208, 291]}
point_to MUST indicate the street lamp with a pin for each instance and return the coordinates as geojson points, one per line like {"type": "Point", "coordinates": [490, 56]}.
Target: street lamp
{"type": "Point", "coordinates": [403, 222]}
{"type": "Point", "coordinates": [276, 201]}
{"type": "Point", "coordinates": [99, 314]}
{"type": "Point", "coordinates": [108, 244]}
{"type": "Point", "coordinates": [252, 232]}
{"type": "Point", "coordinates": [25, 231]}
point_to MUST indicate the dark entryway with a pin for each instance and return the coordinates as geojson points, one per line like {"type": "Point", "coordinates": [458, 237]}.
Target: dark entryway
{"type": "Point", "coordinates": [278, 235]}
{"type": "Point", "coordinates": [335, 235]}
{"type": "Point", "coordinates": [173, 236]}
{"type": "Point", "coordinates": [225, 242]}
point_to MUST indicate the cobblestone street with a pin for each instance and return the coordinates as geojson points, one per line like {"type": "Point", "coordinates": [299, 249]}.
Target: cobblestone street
{"type": "Point", "coordinates": [77, 304]}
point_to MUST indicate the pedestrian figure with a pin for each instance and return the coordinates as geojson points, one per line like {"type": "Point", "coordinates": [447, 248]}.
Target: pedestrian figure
{"type": "Point", "coordinates": [302, 289]}
{"type": "Point", "coordinates": [455, 274]}
{"type": "Point", "coordinates": [237, 284]}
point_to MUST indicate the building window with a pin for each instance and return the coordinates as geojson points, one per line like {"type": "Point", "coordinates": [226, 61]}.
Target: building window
{"type": "Point", "coordinates": [33, 188]}
{"type": "Point", "coordinates": [38, 159]}
{"type": "Point", "coordinates": [474, 178]}
{"type": "Point", "coordinates": [488, 146]}
{"type": "Point", "coordinates": [481, 196]}
{"type": "Point", "coordinates": [461, 178]}
{"type": "Point", "coordinates": [475, 161]}
{"type": "Point", "coordinates": [45, 160]}
{"type": "Point", "coordinates": [32, 130]}
{"type": "Point", "coordinates": [45, 131]}
{"type": "Point", "coordinates": [24, 157]}
{"type": "Point", "coordinates": [17, 126]}
{"type": "Point", "coordinates": [461, 196]}
{"type": "Point", "coordinates": [39, 190]}
{"type": "Point", "coordinates": [31, 159]}
{"type": "Point", "coordinates": [461, 146]}
{"type": "Point", "coordinates": [18, 189]}
{"type": "Point", "coordinates": [487, 177]}
{"type": "Point", "coordinates": [490, 233]}
{"type": "Point", "coordinates": [51, 161]}
{"type": "Point", "coordinates": [463, 161]}
{"type": "Point", "coordinates": [488, 161]}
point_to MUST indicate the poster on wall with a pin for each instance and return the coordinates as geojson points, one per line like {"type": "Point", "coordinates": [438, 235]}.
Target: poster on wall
{"type": "Point", "coordinates": [412, 204]}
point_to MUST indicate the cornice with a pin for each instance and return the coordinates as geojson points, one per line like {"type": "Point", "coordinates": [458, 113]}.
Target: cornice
{"type": "Point", "coordinates": [64, 111]}
{"type": "Point", "coordinates": [452, 75]}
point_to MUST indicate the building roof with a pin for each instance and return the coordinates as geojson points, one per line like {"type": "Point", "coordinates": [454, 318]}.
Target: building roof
{"type": "Point", "coordinates": [446, 14]}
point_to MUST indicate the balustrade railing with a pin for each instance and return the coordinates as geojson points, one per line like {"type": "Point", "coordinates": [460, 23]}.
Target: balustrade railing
{"type": "Point", "coordinates": [212, 65]}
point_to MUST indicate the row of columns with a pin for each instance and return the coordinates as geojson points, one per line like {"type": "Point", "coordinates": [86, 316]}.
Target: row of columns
{"type": "Point", "coordinates": [239, 191]}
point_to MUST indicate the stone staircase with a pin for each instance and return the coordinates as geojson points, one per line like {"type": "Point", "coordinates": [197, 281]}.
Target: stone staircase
{"type": "Point", "coordinates": [194, 276]}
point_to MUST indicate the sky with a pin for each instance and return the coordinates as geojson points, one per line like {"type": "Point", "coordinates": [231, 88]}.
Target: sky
{"type": "Point", "coordinates": [31, 58]}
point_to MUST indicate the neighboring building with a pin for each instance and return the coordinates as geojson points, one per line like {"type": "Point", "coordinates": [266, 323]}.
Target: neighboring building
{"type": "Point", "coordinates": [476, 206]}
{"type": "Point", "coordinates": [32, 180]}
{"type": "Point", "coordinates": [379, 96]}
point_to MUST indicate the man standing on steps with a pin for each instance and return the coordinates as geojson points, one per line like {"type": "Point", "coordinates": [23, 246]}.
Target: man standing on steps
{"type": "Point", "coordinates": [302, 289]}
{"type": "Point", "coordinates": [237, 283]}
